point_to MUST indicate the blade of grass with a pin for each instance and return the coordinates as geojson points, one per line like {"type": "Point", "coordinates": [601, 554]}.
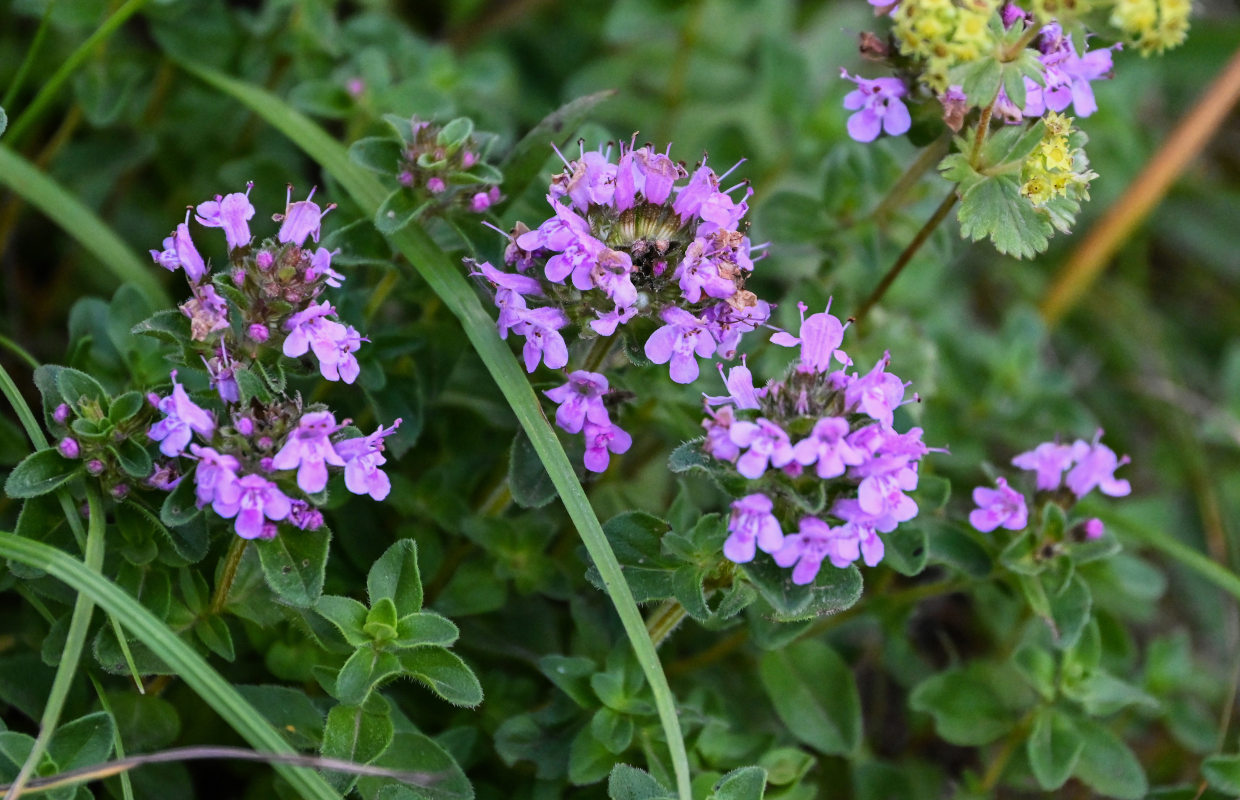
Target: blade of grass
{"type": "Point", "coordinates": [81, 223]}
{"type": "Point", "coordinates": [217, 692]}
{"type": "Point", "coordinates": [446, 279]}
{"type": "Point", "coordinates": [79, 626]}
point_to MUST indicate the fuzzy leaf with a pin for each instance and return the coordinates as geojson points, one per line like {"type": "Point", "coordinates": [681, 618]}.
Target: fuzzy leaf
{"type": "Point", "coordinates": [814, 693]}
{"type": "Point", "coordinates": [395, 576]}
{"type": "Point", "coordinates": [1054, 746]}
{"type": "Point", "coordinates": [994, 208]}
{"type": "Point", "coordinates": [444, 673]}
{"type": "Point", "coordinates": [293, 564]}
{"type": "Point", "coordinates": [40, 473]}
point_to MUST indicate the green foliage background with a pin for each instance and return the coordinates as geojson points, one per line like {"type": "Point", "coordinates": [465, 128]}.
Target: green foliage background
{"type": "Point", "coordinates": [918, 691]}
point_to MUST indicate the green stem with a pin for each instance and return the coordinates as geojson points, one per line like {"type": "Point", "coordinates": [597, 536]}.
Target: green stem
{"type": "Point", "coordinates": [983, 130]}
{"type": "Point", "coordinates": [52, 86]}
{"type": "Point", "coordinates": [79, 626]}
{"type": "Point", "coordinates": [664, 620]}
{"type": "Point", "coordinates": [599, 352]}
{"type": "Point", "coordinates": [19, 351]}
{"type": "Point", "coordinates": [232, 560]}
{"type": "Point", "coordinates": [445, 278]}
{"type": "Point", "coordinates": [44, 24]}
{"type": "Point", "coordinates": [905, 257]}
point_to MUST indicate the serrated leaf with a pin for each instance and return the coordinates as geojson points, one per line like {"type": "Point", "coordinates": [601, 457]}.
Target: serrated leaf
{"type": "Point", "coordinates": [994, 208]}
{"type": "Point", "coordinates": [395, 575]}
{"type": "Point", "coordinates": [40, 473]}
{"type": "Point", "coordinates": [815, 696]}
{"type": "Point", "coordinates": [444, 673]}
{"type": "Point", "coordinates": [294, 563]}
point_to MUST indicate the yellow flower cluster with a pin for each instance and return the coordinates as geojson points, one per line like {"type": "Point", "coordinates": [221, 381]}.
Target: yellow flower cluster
{"type": "Point", "coordinates": [1056, 168]}
{"type": "Point", "coordinates": [1061, 11]}
{"type": "Point", "coordinates": [944, 33]}
{"type": "Point", "coordinates": [1153, 25]}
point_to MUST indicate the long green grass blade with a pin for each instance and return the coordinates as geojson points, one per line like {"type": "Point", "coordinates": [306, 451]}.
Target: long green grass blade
{"type": "Point", "coordinates": [446, 279]}
{"type": "Point", "coordinates": [45, 194]}
{"type": "Point", "coordinates": [188, 665]}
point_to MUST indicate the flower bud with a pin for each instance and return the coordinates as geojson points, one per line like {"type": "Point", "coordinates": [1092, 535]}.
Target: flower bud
{"type": "Point", "coordinates": [269, 531]}
{"type": "Point", "coordinates": [68, 447]}
{"type": "Point", "coordinates": [480, 202]}
{"type": "Point", "coordinates": [258, 333]}
{"type": "Point", "coordinates": [120, 491]}
{"type": "Point", "coordinates": [264, 443]}
{"type": "Point", "coordinates": [238, 276]}
{"type": "Point", "coordinates": [405, 178]}
{"type": "Point", "coordinates": [436, 185]}
{"type": "Point", "coordinates": [95, 466]}
{"type": "Point", "coordinates": [245, 426]}
{"type": "Point", "coordinates": [266, 464]}
{"type": "Point", "coordinates": [153, 399]}
{"type": "Point", "coordinates": [264, 260]}
{"type": "Point", "coordinates": [61, 414]}
{"type": "Point", "coordinates": [468, 159]}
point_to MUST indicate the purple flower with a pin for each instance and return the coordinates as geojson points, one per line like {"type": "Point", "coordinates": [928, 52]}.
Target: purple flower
{"type": "Point", "coordinates": [820, 339]}
{"type": "Point", "coordinates": [342, 364]}
{"type": "Point", "coordinates": [1067, 76]}
{"type": "Point", "coordinates": [814, 542]}
{"type": "Point", "coordinates": [1092, 529]}
{"type": "Point", "coordinates": [580, 399]}
{"type": "Point", "coordinates": [363, 456]}
{"type": "Point", "coordinates": [309, 451]}
{"type": "Point", "coordinates": [543, 342]}
{"type": "Point", "coordinates": [751, 526]}
{"type": "Point", "coordinates": [611, 273]}
{"type": "Point", "coordinates": [207, 312]}
{"type": "Point", "coordinates": [741, 393]}
{"type": "Point", "coordinates": [881, 493]}
{"type": "Point", "coordinates": [321, 267]}
{"type": "Point", "coordinates": [877, 393]}
{"type": "Point", "coordinates": [591, 180]}
{"type": "Point", "coordinates": [1095, 466]}
{"type": "Point", "coordinates": [333, 343]}
{"type": "Point", "coordinates": [252, 500]}
{"type": "Point", "coordinates": [767, 442]}
{"type": "Point", "coordinates": [719, 435]}
{"type": "Point", "coordinates": [182, 418]}
{"type": "Point", "coordinates": [1049, 460]}
{"type": "Point", "coordinates": [859, 537]}
{"type": "Point", "coordinates": [998, 508]}
{"type": "Point", "coordinates": [728, 324]}
{"type": "Point", "coordinates": [606, 324]}
{"type": "Point", "coordinates": [828, 446]}
{"type": "Point", "coordinates": [164, 477]}
{"type": "Point", "coordinates": [677, 340]}
{"type": "Point", "coordinates": [232, 212]}
{"type": "Point", "coordinates": [179, 253]}
{"type": "Point", "coordinates": [689, 199]}
{"type": "Point", "coordinates": [301, 219]}
{"type": "Point", "coordinates": [878, 106]}
{"type": "Point", "coordinates": [603, 438]}
{"type": "Point", "coordinates": [700, 272]}
{"type": "Point", "coordinates": [304, 516]}
{"type": "Point", "coordinates": [215, 470]}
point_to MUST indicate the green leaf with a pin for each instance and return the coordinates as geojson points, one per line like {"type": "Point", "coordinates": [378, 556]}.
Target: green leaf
{"type": "Point", "coordinates": [423, 628]}
{"type": "Point", "coordinates": [588, 760]}
{"type": "Point", "coordinates": [746, 783]}
{"type": "Point", "coordinates": [250, 386]}
{"type": "Point", "coordinates": [994, 208]}
{"type": "Point", "coordinates": [213, 632]}
{"type": "Point", "coordinates": [1037, 667]}
{"type": "Point", "coordinates": [363, 672]}
{"type": "Point", "coordinates": [1070, 609]}
{"type": "Point", "coordinates": [1102, 694]}
{"type": "Point", "coordinates": [831, 591]}
{"type": "Point", "coordinates": [125, 407]}
{"type": "Point", "coordinates": [399, 209]}
{"type": "Point", "coordinates": [4, 121]}
{"type": "Point", "coordinates": [814, 693]}
{"type": "Point", "coordinates": [1107, 765]}
{"type": "Point", "coordinates": [418, 754]}
{"type": "Point", "coordinates": [956, 547]}
{"type": "Point", "coordinates": [290, 710]}
{"type": "Point", "coordinates": [1222, 773]}
{"type": "Point", "coordinates": [972, 705]}
{"type": "Point", "coordinates": [454, 134]}
{"type": "Point", "coordinates": [395, 576]}
{"type": "Point", "coordinates": [1053, 747]}
{"type": "Point", "coordinates": [84, 741]}
{"type": "Point", "coordinates": [631, 783]}
{"type": "Point", "coordinates": [356, 733]}
{"type": "Point", "coordinates": [612, 729]}
{"type": "Point", "coordinates": [979, 80]}
{"type": "Point", "coordinates": [378, 154]}
{"type": "Point", "coordinates": [907, 550]}
{"type": "Point", "coordinates": [533, 151]}
{"type": "Point", "coordinates": [444, 673]}
{"type": "Point", "coordinates": [294, 563]}
{"type": "Point", "coordinates": [637, 538]}
{"type": "Point", "coordinates": [347, 614]}
{"type": "Point", "coordinates": [528, 480]}
{"type": "Point", "coordinates": [40, 473]}
{"type": "Point", "coordinates": [785, 765]}
{"type": "Point", "coordinates": [179, 507]}
{"type": "Point", "coordinates": [572, 675]}
{"type": "Point", "coordinates": [170, 326]}
{"type": "Point", "coordinates": [132, 457]}
{"type": "Point", "coordinates": [1007, 148]}
{"type": "Point", "coordinates": [687, 456]}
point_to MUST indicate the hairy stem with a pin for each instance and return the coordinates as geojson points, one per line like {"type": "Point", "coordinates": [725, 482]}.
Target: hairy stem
{"type": "Point", "coordinates": [232, 560]}
{"type": "Point", "coordinates": [664, 620]}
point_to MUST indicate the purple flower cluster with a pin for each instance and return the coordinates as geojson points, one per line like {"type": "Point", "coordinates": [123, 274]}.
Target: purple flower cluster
{"type": "Point", "coordinates": [440, 166]}
{"type": "Point", "coordinates": [1087, 464]}
{"type": "Point", "coordinates": [1067, 78]}
{"type": "Point", "coordinates": [628, 239]}
{"type": "Point", "coordinates": [820, 423]}
{"type": "Point", "coordinates": [252, 470]}
{"type": "Point", "coordinates": [273, 284]}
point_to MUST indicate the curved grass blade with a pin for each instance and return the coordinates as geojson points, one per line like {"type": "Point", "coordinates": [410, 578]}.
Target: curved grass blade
{"type": "Point", "coordinates": [445, 278]}
{"type": "Point", "coordinates": [191, 667]}
{"type": "Point", "coordinates": [81, 223]}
